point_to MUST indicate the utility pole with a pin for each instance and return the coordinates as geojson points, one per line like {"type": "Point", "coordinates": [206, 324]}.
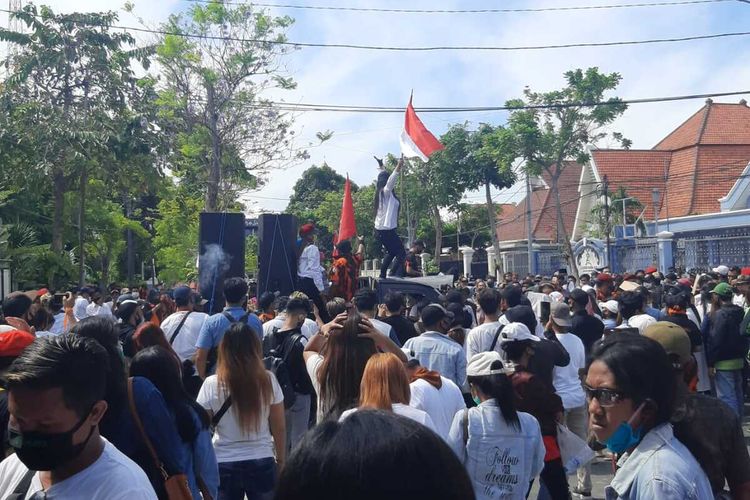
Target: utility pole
{"type": "Point", "coordinates": [607, 224]}
{"type": "Point", "coordinates": [655, 198]}
{"type": "Point", "coordinates": [529, 232]}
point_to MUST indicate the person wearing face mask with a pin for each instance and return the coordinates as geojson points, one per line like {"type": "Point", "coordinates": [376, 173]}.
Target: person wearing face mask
{"type": "Point", "coordinates": [288, 342]}
{"type": "Point", "coordinates": [129, 315]}
{"type": "Point", "coordinates": [630, 388]}
{"type": "Point", "coordinates": [501, 447]}
{"type": "Point", "coordinates": [56, 400]}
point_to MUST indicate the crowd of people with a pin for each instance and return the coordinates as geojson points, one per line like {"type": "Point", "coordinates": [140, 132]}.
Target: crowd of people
{"type": "Point", "coordinates": [481, 393]}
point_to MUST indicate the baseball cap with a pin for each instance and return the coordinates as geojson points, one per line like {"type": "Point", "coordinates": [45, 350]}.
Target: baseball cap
{"type": "Point", "coordinates": [517, 331]}
{"type": "Point", "coordinates": [723, 270]}
{"type": "Point", "coordinates": [672, 338]}
{"type": "Point", "coordinates": [182, 294]}
{"type": "Point", "coordinates": [434, 313]}
{"type": "Point", "coordinates": [611, 305]}
{"type": "Point", "coordinates": [13, 342]}
{"type": "Point", "coordinates": [629, 286]}
{"type": "Point", "coordinates": [306, 229]}
{"type": "Point", "coordinates": [745, 271]}
{"type": "Point", "coordinates": [742, 279]}
{"type": "Point", "coordinates": [685, 282]}
{"type": "Point", "coordinates": [650, 270]}
{"type": "Point", "coordinates": [723, 290]}
{"type": "Point", "coordinates": [560, 314]}
{"type": "Point", "coordinates": [604, 278]}
{"type": "Point", "coordinates": [480, 365]}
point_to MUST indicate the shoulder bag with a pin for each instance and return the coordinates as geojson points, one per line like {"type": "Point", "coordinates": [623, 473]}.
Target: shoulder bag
{"type": "Point", "coordinates": [176, 486]}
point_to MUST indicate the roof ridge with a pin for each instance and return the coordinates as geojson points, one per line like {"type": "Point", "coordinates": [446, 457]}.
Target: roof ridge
{"type": "Point", "coordinates": [676, 129]}
{"type": "Point", "coordinates": [704, 123]}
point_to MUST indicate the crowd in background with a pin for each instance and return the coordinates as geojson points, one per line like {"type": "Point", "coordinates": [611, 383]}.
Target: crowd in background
{"type": "Point", "coordinates": [139, 393]}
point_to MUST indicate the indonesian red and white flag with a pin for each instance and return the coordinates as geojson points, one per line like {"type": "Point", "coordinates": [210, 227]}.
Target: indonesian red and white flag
{"type": "Point", "coordinates": [416, 140]}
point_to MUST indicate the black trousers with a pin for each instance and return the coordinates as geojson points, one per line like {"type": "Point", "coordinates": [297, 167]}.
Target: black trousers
{"type": "Point", "coordinates": [394, 249]}
{"type": "Point", "coordinates": [307, 286]}
{"type": "Point", "coordinates": [555, 480]}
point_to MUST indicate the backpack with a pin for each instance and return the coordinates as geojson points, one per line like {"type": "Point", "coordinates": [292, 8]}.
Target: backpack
{"type": "Point", "coordinates": [284, 351]}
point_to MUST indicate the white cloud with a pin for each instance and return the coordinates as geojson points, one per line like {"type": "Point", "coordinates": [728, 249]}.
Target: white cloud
{"type": "Point", "coordinates": [339, 76]}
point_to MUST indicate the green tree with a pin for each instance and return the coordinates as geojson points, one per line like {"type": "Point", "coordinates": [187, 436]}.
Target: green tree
{"type": "Point", "coordinates": [176, 239]}
{"type": "Point", "coordinates": [312, 187]}
{"type": "Point", "coordinates": [559, 126]}
{"type": "Point", "coordinates": [633, 209]}
{"type": "Point", "coordinates": [69, 78]}
{"type": "Point", "coordinates": [224, 134]}
{"type": "Point", "coordinates": [487, 164]}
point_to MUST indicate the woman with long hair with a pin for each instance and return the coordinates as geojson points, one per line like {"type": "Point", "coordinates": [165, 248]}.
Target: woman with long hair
{"type": "Point", "coordinates": [386, 206]}
{"type": "Point", "coordinates": [385, 386]}
{"type": "Point", "coordinates": [495, 425]}
{"type": "Point", "coordinates": [129, 315]}
{"type": "Point", "coordinates": [246, 405]}
{"type": "Point", "coordinates": [118, 424]}
{"type": "Point", "coordinates": [156, 364]}
{"type": "Point", "coordinates": [336, 359]}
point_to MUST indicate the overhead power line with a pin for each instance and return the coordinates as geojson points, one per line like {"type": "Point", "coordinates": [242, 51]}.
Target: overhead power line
{"type": "Point", "coordinates": [435, 48]}
{"type": "Point", "coordinates": [302, 107]}
{"type": "Point", "coordinates": [471, 11]}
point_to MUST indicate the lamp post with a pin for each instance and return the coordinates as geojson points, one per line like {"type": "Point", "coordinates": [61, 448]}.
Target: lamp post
{"type": "Point", "coordinates": [655, 198]}
{"type": "Point", "coordinates": [5, 278]}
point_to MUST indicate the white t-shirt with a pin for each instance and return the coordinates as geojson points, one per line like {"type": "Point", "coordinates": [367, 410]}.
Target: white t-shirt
{"type": "Point", "coordinates": [480, 339]}
{"type": "Point", "coordinates": [405, 411]}
{"type": "Point", "coordinates": [57, 326]}
{"type": "Point", "coordinates": [184, 342]}
{"type": "Point", "coordinates": [440, 404]}
{"type": "Point", "coordinates": [313, 366]}
{"type": "Point", "coordinates": [565, 378]}
{"type": "Point", "coordinates": [112, 476]}
{"type": "Point", "coordinates": [231, 443]}
{"type": "Point", "coordinates": [308, 329]}
{"type": "Point", "coordinates": [641, 321]}
{"type": "Point", "coordinates": [79, 308]}
{"type": "Point", "coordinates": [387, 216]}
{"type": "Point", "coordinates": [94, 309]}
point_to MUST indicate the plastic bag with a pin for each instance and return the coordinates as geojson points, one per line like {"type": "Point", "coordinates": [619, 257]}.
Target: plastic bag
{"type": "Point", "coordinates": [574, 451]}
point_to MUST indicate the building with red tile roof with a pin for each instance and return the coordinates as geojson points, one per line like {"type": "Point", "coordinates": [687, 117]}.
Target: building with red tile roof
{"type": "Point", "coordinates": [698, 169]}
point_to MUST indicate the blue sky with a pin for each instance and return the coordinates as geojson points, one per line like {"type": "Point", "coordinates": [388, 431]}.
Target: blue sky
{"type": "Point", "coordinates": [340, 76]}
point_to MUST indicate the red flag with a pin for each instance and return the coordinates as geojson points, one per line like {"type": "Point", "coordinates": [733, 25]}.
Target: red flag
{"type": "Point", "coordinates": [416, 140]}
{"type": "Point", "coordinates": [347, 225]}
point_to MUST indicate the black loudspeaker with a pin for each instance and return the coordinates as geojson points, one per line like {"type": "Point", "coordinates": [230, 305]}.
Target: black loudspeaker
{"type": "Point", "coordinates": [277, 253]}
{"type": "Point", "coordinates": [222, 254]}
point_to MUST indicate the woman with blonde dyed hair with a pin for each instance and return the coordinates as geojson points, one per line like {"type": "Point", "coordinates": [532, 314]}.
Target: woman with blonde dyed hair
{"type": "Point", "coordinates": [385, 386]}
{"type": "Point", "coordinates": [246, 406]}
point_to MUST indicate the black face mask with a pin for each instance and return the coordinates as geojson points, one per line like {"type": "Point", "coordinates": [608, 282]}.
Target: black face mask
{"type": "Point", "coordinates": [47, 451]}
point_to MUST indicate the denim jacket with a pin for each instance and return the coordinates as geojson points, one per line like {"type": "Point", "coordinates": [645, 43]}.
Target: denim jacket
{"type": "Point", "coordinates": [659, 467]}
{"type": "Point", "coordinates": [438, 352]}
{"type": "Point", "coordinates": [500, 459]}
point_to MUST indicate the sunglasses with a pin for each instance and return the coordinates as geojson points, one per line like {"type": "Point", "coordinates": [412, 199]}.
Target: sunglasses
{"type": "Point", "coordinates": [606, 397]}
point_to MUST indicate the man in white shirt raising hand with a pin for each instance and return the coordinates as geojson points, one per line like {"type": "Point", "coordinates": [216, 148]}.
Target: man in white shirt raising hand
{"type": "Point", "coordinates": [309, 270]}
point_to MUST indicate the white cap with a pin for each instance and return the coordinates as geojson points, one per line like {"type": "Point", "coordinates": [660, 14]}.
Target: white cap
{"type": "Point", "coordinates": [480, 365]}
{"type": "Point", "coordinates": [723, 270]}
{"type": "Point", "coordinates": [587, 288]}
{"type": "Point", "coordinates": [610, 305]}
{"type": "Point", "coordinates": [517, 331]}
{"type": "Point", "coordinates": [629, 286]}
{"type": "Point", "coordinates": [557, 296]}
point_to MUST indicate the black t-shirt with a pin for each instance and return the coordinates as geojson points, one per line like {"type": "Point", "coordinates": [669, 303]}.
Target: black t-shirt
{"type": "Point", "coordinates": [587, 328]}
{"type": "Point", "coordinates": [712, 433]}
{"type": "Point", "coordinates": [403, 327]}
{"type": "Point", "coordinates": [687, 324]}
{"type": "Point", "coordinates": [414, 263]}
{"type": "Point", "coordinates": [548, 354]}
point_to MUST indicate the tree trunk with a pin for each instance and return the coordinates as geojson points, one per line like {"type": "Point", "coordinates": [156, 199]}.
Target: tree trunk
{"type": "Point", "coordinates": [562, 233]}
{"type": "Point", "coordinates": [214, 173]}
{"type": "Point", "coordinates": [438, 233]}
{"type": "Point", "coordinates": [130, 250]}
{"type": "Point", "coordinates": [492, 219]}
{"type": "Point", "coordinates": [81, 227]}
{"type": "Point", "coordinates": [58, 206]}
